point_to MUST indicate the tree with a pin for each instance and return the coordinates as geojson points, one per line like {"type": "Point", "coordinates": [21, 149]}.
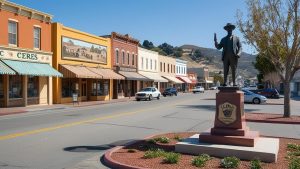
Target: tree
{"type": "Point", "coordinates": [178, 52]}
{"type": "Point", "coordinates": [198, 53]}
{"type": "Point", "coordinates": [272, 27]}
{"type": "Point", "coordinates": [264, 66]}
{"type": "Point", "coordinates": [168, 49]}
{"type": "Point", "coordinates": [147, 44]}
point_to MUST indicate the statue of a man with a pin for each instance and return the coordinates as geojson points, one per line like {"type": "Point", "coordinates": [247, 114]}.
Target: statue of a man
{"type": "Point", "coordinates": [232, 50]}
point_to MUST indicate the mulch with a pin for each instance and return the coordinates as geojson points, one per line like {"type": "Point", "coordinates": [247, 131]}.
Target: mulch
{"type": "Point", "coordinates": [272, 118]}
{"type": "Point", "coordinates": [136, 159]}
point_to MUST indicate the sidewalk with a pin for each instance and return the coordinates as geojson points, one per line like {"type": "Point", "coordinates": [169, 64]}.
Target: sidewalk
{"type": "Point", "coordinates": [18, 110]}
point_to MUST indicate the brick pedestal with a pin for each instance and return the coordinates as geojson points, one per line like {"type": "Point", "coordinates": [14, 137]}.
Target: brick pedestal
{"type": "Point", "coordinates": [230, 125]}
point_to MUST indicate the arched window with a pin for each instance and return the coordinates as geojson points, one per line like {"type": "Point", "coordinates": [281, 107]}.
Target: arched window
{"type": "Point", "coordinates": [117, 56]}
{"type": "Point", "coordinates": [123, 57]}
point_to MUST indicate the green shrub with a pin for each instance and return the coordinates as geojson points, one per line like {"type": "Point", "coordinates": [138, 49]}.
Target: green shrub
{"type": "Point", "coordinates": [163, 140]}
{"type": "Point", "coordinates": [154, 153]}
{"type": "Point", "coordinates": [131, 151]}
{"type": "Point", "coordinates": [294, 153]}
{"type": "Point", "coordinates": [171, 158]}
{"type": "Point", "coordinates": [178, 138]}
{"type": "Point", "coordinates": [201, 160]}
{"type": "Point", "coordinates": [230, 162]}
{"type": "Point", "coordinates": [294, 163]}
{"type": "Point", "coordinates": [294, 147]}
{"type": "Point", "coordinates": [151, 141]}
{"type": "Point", "coordinates": [255, 164]}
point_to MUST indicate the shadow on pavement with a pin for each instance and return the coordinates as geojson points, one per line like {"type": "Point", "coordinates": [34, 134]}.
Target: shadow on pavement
{"type": "Point", "coordinates": [211, 107]}
{"type": "Point", "coordinates": [98, 148]}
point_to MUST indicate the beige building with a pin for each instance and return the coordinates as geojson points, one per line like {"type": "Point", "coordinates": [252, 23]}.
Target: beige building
{"type": "Point", "coordinates": [167, 69]}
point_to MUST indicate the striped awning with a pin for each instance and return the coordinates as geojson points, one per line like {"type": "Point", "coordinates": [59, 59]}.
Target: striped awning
{"type": "Point", "coordinates": [5, 70]}
{"type": "Point", "coordinates": [32, 68]}
{"type": "Point", "coordinates": [173, 79]}
{"type": "Point", "coordinates": [153, 76]}
{"type": "Point", "coordinates": [133, 76]}
{"type": "Point", "coordinates": [78, 71]}
{"type": "Point", "coordinates": [107, 73]}
{"type": "Point", "coordinates": [184, 79]}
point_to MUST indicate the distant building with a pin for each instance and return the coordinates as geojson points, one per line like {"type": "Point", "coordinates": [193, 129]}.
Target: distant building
{"type": "Point", "coordinates": [203, 76]}
{"type": "Point", "coordinates": [181, 74]}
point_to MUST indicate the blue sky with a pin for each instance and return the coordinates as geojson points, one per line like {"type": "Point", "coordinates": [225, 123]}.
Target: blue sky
{"type": "Point", "coordinates": [176, 22]}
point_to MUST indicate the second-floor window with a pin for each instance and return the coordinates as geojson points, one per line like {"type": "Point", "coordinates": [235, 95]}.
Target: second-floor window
{"type": "Point", "coordinates": [117, 56]}
{"type": "Point", "coordinates": [146, 63]}
{"type": "Point", "coordinates": [12, 33]}
{"type": "Point", "coordinates": [151, 64]}
{"type": "Point", "coordinates": [132, 59]}
{"type": "Point", "coordinates": [123, 57]}
{"type": "Point", "coordinates": [142, 63]}
{"type": "Point", "coordinates": [168, 68]}
{"type": "Point", "coordinates": [160, 66]}
{"type": "Point", "coordinates": [37, 37]}
{"type": "Point", "coordinates": [128, 58]}
{"type": "Point", "coordinates": [155, 65]}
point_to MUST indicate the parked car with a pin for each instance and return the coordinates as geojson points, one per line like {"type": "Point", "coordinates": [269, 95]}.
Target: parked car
{"type": "Point", "coordinates": [170, 92]}
{"type": "Point", "coordinates": [197, 89]}
{"type": "Point", "coordinates": [148, 93]}
{"type": "Point", "coordinates": [268, 92]}
{"type": "Point", "coordinates": [250, 97]}
{"type": "Point", "coordinates": [213, 88]}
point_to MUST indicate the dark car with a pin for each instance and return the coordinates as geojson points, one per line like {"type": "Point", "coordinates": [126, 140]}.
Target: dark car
{"type": "Point", "coordinates": [268, 92]}
{"type": "Point", "coordinates": [170, 92]}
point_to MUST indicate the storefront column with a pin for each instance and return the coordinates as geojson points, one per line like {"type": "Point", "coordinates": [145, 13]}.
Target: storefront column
{"type": "Point", "coordinates": [6, 92]}
{"type": "Point", "coordinates": [49, 91]}
{"type": "Point", "coordinates": [25, 81]}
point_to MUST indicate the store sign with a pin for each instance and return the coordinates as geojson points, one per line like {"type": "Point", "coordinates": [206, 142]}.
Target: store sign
{"type": "Point", "coordinates": [24, 56]}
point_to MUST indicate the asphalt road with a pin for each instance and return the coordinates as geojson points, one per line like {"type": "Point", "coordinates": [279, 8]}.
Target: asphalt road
{"type": "Point", "coordinates": [55, 139]}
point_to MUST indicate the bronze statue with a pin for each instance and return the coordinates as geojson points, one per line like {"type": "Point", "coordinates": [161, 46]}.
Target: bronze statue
{"type": "Point", "coordinates": [232, 50]}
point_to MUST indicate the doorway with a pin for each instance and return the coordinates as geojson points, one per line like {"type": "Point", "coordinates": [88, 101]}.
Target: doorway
{"type": "Point", "coordinates": [83, 90]}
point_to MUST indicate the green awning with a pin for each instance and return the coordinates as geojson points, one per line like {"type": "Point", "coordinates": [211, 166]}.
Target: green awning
{"type": "Point", "coordinates": [33, 69]}
{"type": "Point", "coordinates": [5, 70]}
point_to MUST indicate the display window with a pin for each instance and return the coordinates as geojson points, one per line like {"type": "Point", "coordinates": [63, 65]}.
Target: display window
{"type": "Point", "coordinates": [100, 88]}
{"type": "Point", "coordinates": [1, 86]}
{"type": "Point", "coordinates": [15, 87]}
{"type": "Point", "coordinates": [33, 86]}
{"type": "Point", "coordinates": [69, 86]}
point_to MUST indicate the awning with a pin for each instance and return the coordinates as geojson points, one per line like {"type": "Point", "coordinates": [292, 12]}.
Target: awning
{"type": "Point", "coordinates": [184, 79]}
{"type": "Point", "coordinates": [133, 76]}
{"type": "Point", "coordinates": [72, 71]}
{"type": "Point", "coordinates": [173, 79]}
{"type": "Point", "coordinates": [193, 81]}
{"type": "Point", "coordinates": [5, 70]}
{"type": "Point", "coordinates": [153, 76]}
{"type": "Point", "coordinates": [106, 73]}
{"type": "Point", "coordinates": [31, 68]}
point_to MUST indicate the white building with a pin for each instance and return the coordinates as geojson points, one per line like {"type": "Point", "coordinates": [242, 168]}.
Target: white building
{"type": "Point", "coordinates": [181, 74]}
{"type": "Point", "coordinates": [148, 67]}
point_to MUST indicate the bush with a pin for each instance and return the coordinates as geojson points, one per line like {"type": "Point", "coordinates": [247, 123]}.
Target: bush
{"type": "Point", "coordinates": [201, 160]}
{"type": "Point", "coordinates": [171, 158]}
{"type": "Point", "coordinates": [178, 138]}
{"type": "Point", "coordinates": [230, 162]}
{"type": "Point", "coordinates": [160, 139]}
{"type": "Point", "coordinates": [154, 153]}
{"type": "Point", "coordinates": [255, 164]}
{"type": "Point", "coordinates": [151, 141]}
{"type": "Point", "coordinates": [294, 147]}
{"type": "Point", "coordinates": [294, 163]}
{"type": "Point", "coordinates": [131, 151]}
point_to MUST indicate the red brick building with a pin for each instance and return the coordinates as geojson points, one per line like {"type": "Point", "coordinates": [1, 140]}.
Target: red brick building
{"type": "Point", "coordinates": [124, 54]}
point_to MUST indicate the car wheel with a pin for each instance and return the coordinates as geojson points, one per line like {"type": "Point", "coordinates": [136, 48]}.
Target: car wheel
{"type": "Point", "coordinates": [138, 99]}
{"type": "Point", "coordinates": [164, 95]}
{"type": "Point", "coordinates": [194, 92]}
{"type": "Point", "coordinates": [150, 97]}
{"type": "Point", "coordinates": [256, 101]}
{"type": "Point", "coordinates": [158, 97]}
{"type": "Point", "coordinates": [175, 94]}
{"type": "Point", "coordinates": [273, 96]}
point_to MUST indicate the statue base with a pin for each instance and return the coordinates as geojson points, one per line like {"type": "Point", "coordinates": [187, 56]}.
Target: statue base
{"type": "Point", "coordinates": [230, 124]}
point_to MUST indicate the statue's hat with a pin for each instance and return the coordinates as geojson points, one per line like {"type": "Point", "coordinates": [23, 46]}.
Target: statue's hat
{"type": "Point", "coordinates": [229, 26]}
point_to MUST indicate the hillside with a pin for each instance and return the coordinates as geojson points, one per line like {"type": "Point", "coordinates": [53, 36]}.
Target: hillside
{"type": "Point", "coordinates": [212, 59]}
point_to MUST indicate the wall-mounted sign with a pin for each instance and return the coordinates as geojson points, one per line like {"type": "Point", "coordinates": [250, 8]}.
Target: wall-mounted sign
{"type": "Point", "coordinates": [74, 49]}
{"type": "Point", "coordinates": [24, 56]}
{"type": "Point", "coordinates": [227, 113]}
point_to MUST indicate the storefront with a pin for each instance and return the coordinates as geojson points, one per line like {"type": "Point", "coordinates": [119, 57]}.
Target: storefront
{"type": "Point", "coordinates": [184, 87]}
{"type": "Point", "coordinates": [193, 79]}
{"type": "Point", "coordinates": [25, 77]}
{"type": "Point", "coordinates": [84, 60]}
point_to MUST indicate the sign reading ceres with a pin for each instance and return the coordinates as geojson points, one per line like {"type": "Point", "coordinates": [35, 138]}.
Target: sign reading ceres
{"type": "Point", "coordinates": [25, 56]}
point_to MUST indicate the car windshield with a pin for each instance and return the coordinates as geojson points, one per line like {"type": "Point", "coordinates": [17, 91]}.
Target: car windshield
{"type": "Point", "coordinates": [148, 89]}
{"type": "Point", "coordinates": [248, 92]}
{"type": "Point", "coordinates": [167, 89]}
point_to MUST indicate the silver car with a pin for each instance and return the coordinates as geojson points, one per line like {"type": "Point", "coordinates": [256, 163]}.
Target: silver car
{"type": "Point", "coordinates": [250, 97]}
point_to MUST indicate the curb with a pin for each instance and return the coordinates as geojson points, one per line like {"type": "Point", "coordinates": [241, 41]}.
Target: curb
{"type": "Point", "coordinates": [272, 121]}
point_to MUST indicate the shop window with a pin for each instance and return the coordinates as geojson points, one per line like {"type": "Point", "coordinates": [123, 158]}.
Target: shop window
{"type": "Point", "coordinates": [1, 87]}
{"type": "Point", "coordinates": [12, 33]}
{"type": "Point", "coordinates": [117, 56]}
{"type": "Point", "coordinates": [15, 87]}
{"type": "Point", "coordinates": [100, 88]}
{"type": "Point", "coordinates": [69, 86]}
{"type": "Point", "coordinates": [33, 86]}
{"type": "Point", "coordinates": [37, 37]}
{"type": "Point", "coordinates": [120, 87]}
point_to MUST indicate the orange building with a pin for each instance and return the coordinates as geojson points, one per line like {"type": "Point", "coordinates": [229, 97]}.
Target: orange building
{"type": "Point", "coordinates": [25, 56]}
